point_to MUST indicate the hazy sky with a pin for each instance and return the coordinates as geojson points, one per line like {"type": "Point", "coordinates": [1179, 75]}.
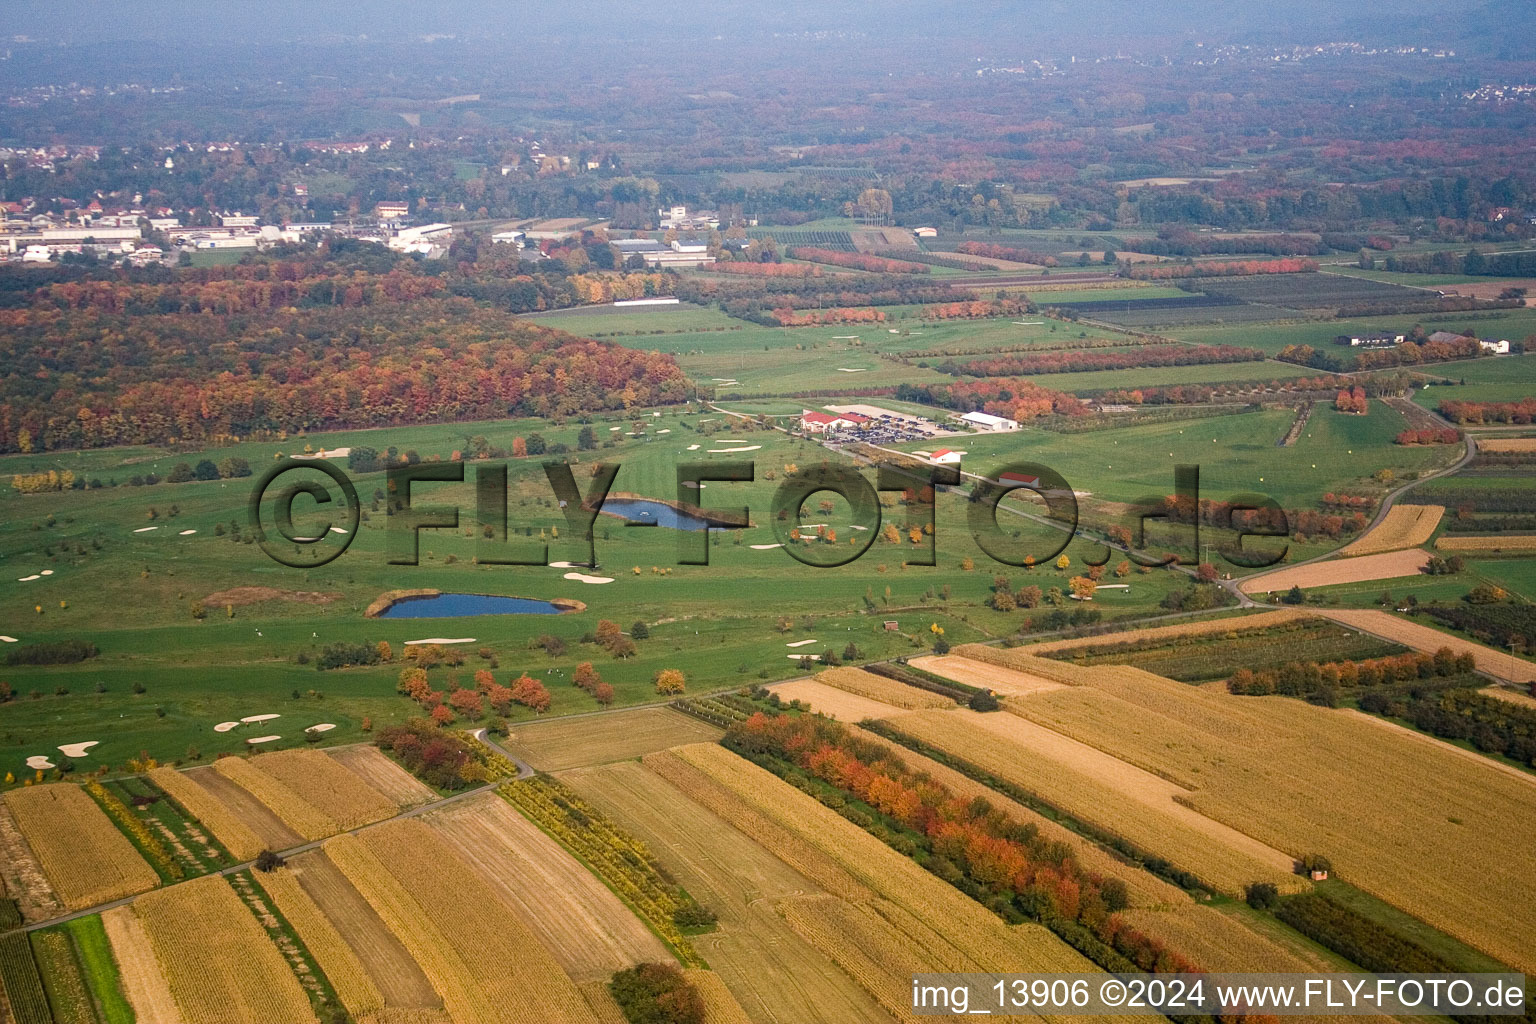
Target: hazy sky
{"type": "Point", "coordinates": [1078, 21]}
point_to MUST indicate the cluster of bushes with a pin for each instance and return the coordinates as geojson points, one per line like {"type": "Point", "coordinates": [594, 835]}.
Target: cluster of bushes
{"type": "Point", "coordinates": [1521, 413]}
{"type": "Point", "coordinates": [657, 994]}
{"type": "Point", "coordinates": [1496, 624]}
{"type": "Point", "coordinates": [443, 759]}
{"type": "Point", "coordinates": [1356, 938]}
{"type": "Point", "coordinates": [1491, 725]}
{"type": "Point", "coordinates": [1301, 678]}
{"type": "Point", "coordinates": [343, 655]}
{"type": "Point", "coordinates": [916, 677]}
{"type": "Point", "coordinates": [53, 652]}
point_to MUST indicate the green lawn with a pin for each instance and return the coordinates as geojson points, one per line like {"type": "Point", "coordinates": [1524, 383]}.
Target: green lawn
{"type": "Point", "coordinates": [1499, 379]}
{"type": "Point", "coordinates": [1235, 454]}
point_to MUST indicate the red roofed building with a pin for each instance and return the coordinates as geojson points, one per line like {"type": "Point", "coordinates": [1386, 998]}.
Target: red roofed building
{"type": "Point", "coordinates": [946, 457]}
{"type": "Point", "coordinates": [822, 422]}
{"type": "Point", "coordinates": [1019, 480]}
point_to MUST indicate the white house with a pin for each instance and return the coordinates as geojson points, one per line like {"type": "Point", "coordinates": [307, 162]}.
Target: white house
{"type": "Point", "coordinates": [508, 238]}
{"type": "Point", "coordinates": [1497, 346]}
{"type": "Point", "coordinates": [946, 457]}
{"type": "Point", "coordinates": [986, 421]}
{"type": "Point", "coordinates": [237, 220]}
{"type": "Point", "coordinates": [391, 210]}
{"type": "Point", "coordinates": [925, 232]}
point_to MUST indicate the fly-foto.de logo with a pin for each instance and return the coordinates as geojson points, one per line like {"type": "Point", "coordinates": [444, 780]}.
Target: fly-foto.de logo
{"type": "Point", "coordinates": [314, 487]}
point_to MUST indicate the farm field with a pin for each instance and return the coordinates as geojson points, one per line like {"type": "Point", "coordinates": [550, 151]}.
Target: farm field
{"type": "Point", "coordinates": [85, 858]}
{"type": "Point", "coordinates": [383, 775]}
{"type": "Point", "coordinates": [1235, 453]}
{"type": "Point", "coordinates": [1105, 791]}
{"type": "Point", "coordinates": [243, 811]}
{"type": "Point", "coordinates": [1512, 323]}
{"type": "Point", "coordinates": [771, 971]}
{"type": "Point", "coordinates": [1405, 526]}
{"type": "Point", "coordinates": [143, 980]}
{"type": "Point", "coordinates": [218, 961]}
{"type": "Point", "coordinates": [1488, 544]}
{"type": "Point", "coordinates": [581, 922]}
{"type": "Point", "coordinates": [836, 701]}
{"type": "Point", "coordinates": [1238, 752]}
{"type": "Point", "coordinates": [879, 688]}
{"type": "Point", "coordinates": [992, 677]}
{"type": "Point", "coordinates": [397, 977]}
{"type": "Point", "coordinates": [442, 910]}
{"type": "Point", "coordinates": [595, 739]}
{"type": "Point", "coordinates": [1385, 566]}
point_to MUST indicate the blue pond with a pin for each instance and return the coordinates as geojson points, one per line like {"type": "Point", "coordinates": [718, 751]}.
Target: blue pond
{"type": "Point", "coordinates": [447, 606]}
{"type": "Point", "coordinates": [643, 510]}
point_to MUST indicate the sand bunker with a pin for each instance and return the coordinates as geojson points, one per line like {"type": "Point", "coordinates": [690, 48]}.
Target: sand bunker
{"type": "Point", "coordinates": [186, 533]}
{"type": "Point", "coordinates": [260, 718]}
{"type": "Point", "coordinates": [765, 547]}
{"type": "Point", "coordinates": [46, 572]}
{"type": "Point", "coordinates": [7, 640]}
{"type": "Point", "coordinates": [77, 749]}
{"type": "Point", "coordinates": [584, 578]}
{"type": "Point", "coordinates": [844, 337]}
{"type": "Point", "coordinates": [38, 761]}
{"type": "Point", "coordinates": [664, 430]}
{"type": "Point", "coordinates": [337, 529]}
{"type": "Point", "coordinates": [569, 565]}
{"type": "Point", "coordinates": [146, 529]}
{"type": "Point", "coordinates": [226, 726]}
{"type": "Point", "coordinates": [29, 579]}
{"type": "Point", "coordinates": [693, 447]}
{"type": "Point", "coordinates": [799, 643]}
{"type": "Point", "coordinates": [441, 640]}
{"type": "Point", "coordinates": [322, 727]}
{"type": "Point", "coordinates": [859, 369]}
{"type": "Point", "coordinates": [802, 657]}
{"type": "Point", "coordinates": [262, 739]}
{"type": "Point", "coordinates": [741, 448]}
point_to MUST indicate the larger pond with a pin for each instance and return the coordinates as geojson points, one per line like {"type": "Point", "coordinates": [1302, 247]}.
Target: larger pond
{"type": "Point", "coordinates": [447, 606]}
{"type": "Point", "coordinates": [644, 510]}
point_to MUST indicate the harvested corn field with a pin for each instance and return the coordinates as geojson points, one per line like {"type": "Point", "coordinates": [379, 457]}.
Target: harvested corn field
{"type": "Point", "coordinates": [293, 810]}
{"type": "Point", "coordinates": [85, 858]}
{"type": "Point", "coordinates": [1506, 444]}
{"type": "Point", "coordinates": [1405, 526]}
{"type": "Point", "coordinates": [772, 972]}
{"type": "Point", "coordinates": [22, 876]}
{"type": "Point", "coordinates": [1423, 638]}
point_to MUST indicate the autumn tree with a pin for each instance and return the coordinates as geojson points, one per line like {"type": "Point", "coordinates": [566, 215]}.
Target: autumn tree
{"type": "Point", "coordinates": [531, 693]}
{"type": "Point", "coordinates": [670, 681]}
{"type": "Point", "coordinates": [585, 676]}
{"type": "Point", "coordinates": [1082, 587]}
{"type": "Point", "coordinates": [386, 653]}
